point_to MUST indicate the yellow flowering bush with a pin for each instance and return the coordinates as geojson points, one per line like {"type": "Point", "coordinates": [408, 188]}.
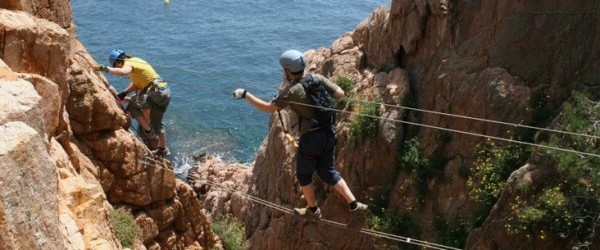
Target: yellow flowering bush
{"type": "Point", "coordinates": [568, 206]}
{"type": "Point", "coordinates": [492, 168]}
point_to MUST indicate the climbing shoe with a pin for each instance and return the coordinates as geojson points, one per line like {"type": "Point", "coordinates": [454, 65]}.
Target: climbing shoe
{"type": "Point", "coordinates": [360, 207]}
{"type": "Point", "coordinates": [162, 152]}
{"type": "Point", "coordinates": [358, 215]}
{"type": "Point", "coordinates": [307, 213]}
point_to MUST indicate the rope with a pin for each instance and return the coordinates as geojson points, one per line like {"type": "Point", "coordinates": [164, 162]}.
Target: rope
{"type": "Point", "coordinates": [262, 84]}
{"type": "Point", "coordinates": [250, 197]}
{"type": "Point", "coordinates": [422, 125]}
{"type": "Point", "coordinates": [475, 118]}
{"type": "Point", "coordinates": [329, 222]}
{"type": "Point", "coordinates": [450, 130]}
{"type": "Point", "coordinates": [150, 161]}
{"type": "Point", "coordinates": [456, 116]}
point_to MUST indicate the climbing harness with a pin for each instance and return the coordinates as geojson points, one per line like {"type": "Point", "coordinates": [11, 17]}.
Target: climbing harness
{"type": "Point", "coordinates": [141, 95]}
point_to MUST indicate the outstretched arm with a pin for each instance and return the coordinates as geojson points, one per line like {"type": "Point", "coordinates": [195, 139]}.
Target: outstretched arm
{"type": "Point", "coordinates": [261, 105]}
{"type": "Point", "coordinates": [123, 71]}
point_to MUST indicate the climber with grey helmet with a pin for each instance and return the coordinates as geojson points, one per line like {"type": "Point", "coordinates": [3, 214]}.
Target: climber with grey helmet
{"type": "Point", "coordinates": [316, 149]}
{"type": "Point", "coordinates": [152, 93]}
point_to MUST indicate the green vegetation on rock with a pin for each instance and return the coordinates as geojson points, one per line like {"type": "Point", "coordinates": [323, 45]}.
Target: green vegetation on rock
{"type": "Point", "coordinates": [365, 124]}
{"type": "Point", "coordinates": [231, 233]}
{"type": "Point", "coordinates": [569, 204]}
{"type": "Point", "coordinates": [124, 225]}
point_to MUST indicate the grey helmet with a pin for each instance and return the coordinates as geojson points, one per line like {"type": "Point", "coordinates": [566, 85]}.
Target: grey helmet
{"type": "Point", "coordinates": [292, 60]}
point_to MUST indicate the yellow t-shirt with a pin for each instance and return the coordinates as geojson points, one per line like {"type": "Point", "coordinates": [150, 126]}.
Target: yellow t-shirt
{"type": "Point", "coordinates": [142, 73]}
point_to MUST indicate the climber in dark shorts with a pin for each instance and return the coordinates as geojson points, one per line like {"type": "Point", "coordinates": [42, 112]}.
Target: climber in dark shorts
{"type": "Point", "coordinates": [317, 142]}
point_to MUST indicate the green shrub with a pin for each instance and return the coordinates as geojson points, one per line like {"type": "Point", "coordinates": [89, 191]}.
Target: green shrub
{"type": "Point", "coordinates": [124, 225]}
{"type": "Point", "coordinates": [231, 233]}
{"type": "Point", "coordinates": [394, 223]}
{"type": "Point", "coordinates": [365, 124]}
{"type": "Point", "coordinates": [411, 160]}
{"type": "Point", "coordinates": [345, 83]}
{"type": "Point", "coordinates": [579, 116]}
{"type": "Point", "coordinates": [452, 234]}
{"type": "Point", "coordinates": [570, 205]}
{"type": "Point", "coordinates": [380, 218]}
{"type": "Point", "coordinates": [410, 156]}
{"type": "Point", "coordinates": [378, 200]}
{"type": "Point", "coordinates": [493, 166]}
{"type": "Point", "coordinates": [549, 211]}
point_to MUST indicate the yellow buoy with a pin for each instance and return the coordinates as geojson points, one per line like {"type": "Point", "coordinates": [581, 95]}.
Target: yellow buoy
{"type": "Point", "coordinates": [167, 2]}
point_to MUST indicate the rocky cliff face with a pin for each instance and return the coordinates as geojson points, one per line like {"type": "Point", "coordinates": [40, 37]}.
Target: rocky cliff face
{"type": "Point", "coordinates": [489, 59]}
{"type": "Point", "coordinates": [67, 157]}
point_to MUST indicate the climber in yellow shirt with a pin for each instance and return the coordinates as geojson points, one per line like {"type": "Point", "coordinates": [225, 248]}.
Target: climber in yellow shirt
{"type": "Point", "coordinates": [152, 92]}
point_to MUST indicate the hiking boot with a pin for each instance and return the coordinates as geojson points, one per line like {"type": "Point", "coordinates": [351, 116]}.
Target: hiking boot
{"type": "Point", "coordinates": [306, 213]}
{"type": "Point", "coordinates": [162, 152]}
{"type": "Point", "coordinates": [360, 208]}
{"type": "Point", "coordinates": [359, 215]}
{"type": "Point", "coordinates": [150, 134]}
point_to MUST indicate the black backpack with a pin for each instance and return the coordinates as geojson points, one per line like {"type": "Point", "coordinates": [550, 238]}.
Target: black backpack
{"type": "Point", "coordinates": [324, 114]}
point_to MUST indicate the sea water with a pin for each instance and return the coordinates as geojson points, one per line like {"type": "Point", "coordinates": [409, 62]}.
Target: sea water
{"type": "Point", "coordinates": [207, 49]}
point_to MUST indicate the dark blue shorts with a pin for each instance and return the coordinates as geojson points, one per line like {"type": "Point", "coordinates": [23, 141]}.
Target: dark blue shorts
{"type": "Point", "coordinates": [317, 153]}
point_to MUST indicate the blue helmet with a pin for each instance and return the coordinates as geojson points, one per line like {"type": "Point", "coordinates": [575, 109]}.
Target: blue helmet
{"type": "Point", "coordinates": [292, 60]}
{"type": "Point", "coordinates": [114, 55]}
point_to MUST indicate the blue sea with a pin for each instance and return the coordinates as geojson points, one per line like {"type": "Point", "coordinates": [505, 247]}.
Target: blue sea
{"type": "Point", "coordinates": [206, 49]}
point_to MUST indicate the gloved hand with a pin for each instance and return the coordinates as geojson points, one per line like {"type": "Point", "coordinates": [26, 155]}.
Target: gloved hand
{"type": "Point", "coordinates": [100, 67]}
{"type": "Point", "coordinates": [239, 93]}
{"type": "Point", "coordinates": [122, 95]}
